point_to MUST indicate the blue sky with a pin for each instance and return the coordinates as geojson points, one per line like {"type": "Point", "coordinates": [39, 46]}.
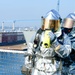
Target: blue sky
{"type": "Point", "coordinates": [29, 12]}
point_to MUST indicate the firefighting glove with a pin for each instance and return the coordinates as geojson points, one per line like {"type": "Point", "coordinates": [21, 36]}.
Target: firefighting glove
{"type": "Point", "coordinates": [52, 36]}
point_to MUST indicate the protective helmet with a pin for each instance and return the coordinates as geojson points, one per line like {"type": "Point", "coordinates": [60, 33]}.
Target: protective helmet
{"type": "Point", "coordinates": [53, 15]}
{"type": "Point", "coordinates": [52, 20]}
{"type": "Point", "coordinates": [71, 16]}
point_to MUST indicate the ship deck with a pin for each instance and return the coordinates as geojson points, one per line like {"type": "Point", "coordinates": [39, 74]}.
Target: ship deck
{"type": "Point", "coordinates": [19, 47]}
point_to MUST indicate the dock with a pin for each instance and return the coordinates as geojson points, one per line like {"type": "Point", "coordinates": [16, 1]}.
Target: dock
{"type": "Point", "coordinates": [19, 47]}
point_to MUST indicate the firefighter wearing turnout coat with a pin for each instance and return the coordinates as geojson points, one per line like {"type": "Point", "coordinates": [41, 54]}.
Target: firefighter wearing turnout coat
{"type": "Point", "coordinates": [68, 28]}
{"type": "Point", "coordinates": [46, 47]}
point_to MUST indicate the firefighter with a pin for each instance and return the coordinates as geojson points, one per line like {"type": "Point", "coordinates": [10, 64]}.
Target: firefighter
{"type": "Point", "coordinates": [68, 28]}
{"type": "Point", "coordinates": [47, 55]}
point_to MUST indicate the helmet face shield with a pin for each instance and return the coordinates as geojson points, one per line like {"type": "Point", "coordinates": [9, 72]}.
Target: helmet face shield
{"type": "Point", "coordinates": [68, 23]}
{"type": "Point", "coordinates": [53, 25]}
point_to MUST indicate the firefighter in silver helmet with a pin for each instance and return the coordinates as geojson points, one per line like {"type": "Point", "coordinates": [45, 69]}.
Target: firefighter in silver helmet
{"type": "Point", "coordinates": [68, 28]}
{"type": "Point", "coordinates": [49, 50]}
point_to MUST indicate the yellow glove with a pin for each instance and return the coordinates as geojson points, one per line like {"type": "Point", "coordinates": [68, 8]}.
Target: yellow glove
{"type": "Point", "coordinates": [46, 39]}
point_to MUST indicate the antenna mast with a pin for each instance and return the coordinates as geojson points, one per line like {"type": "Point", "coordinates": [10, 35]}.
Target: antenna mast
{"type": "Point", "coordinates": [58, 3]}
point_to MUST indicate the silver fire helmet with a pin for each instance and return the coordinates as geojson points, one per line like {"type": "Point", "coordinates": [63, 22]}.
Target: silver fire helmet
{"type": "Point", "coordinates": [52, 15]}
{"type": "Point", "coordinates": [71, 16]}
{"type": "Point", "coordinates": [52, 20]}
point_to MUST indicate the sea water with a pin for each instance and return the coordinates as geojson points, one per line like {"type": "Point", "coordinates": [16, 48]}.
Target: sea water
{"type": "Point", "coordinates": [11, 63]}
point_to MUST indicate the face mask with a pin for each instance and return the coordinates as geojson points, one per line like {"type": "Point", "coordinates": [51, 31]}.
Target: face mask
{"type": "Point", "coordinates": [67, 30]}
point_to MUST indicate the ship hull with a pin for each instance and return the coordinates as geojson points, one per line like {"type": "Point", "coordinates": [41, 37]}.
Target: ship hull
{"type": "Point", "coordinates": [11, 38]}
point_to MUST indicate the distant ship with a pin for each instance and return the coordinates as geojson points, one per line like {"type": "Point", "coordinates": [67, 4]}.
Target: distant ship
{"type": "Point", "coordinates": [15, 39]}
{"type": "Point", "coordinates": [11, 38]}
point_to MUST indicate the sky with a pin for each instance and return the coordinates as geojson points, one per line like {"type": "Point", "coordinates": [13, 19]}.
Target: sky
{"type": "Point", "coordinates": [29, 12]}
